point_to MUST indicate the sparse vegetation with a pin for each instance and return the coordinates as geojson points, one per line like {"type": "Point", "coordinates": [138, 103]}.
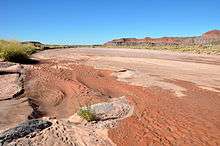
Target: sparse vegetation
{"type": "Point", "coordinates": [198, 49]}
{"type": "Point", "coordinates": [14, 55]}
{"type": "Point", "coordinates": [87, 114]}
{"type": "Point", "coordinates": [14, 51]}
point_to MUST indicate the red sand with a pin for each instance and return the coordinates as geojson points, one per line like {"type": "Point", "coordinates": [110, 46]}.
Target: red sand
{"type": "Point", "coordinates": [59, 88]}
{"type": "Point", "coordinates": [160, 118]}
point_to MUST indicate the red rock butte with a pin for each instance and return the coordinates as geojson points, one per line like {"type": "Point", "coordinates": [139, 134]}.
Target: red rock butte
{"type": "Point", "coordinates": [212, 34]}
{"type": "Point", "coordinates": [210, 37]}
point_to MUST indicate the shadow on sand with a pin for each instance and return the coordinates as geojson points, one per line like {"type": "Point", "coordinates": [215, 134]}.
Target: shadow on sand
{"type": "Point", "coordinates": [27, 61]}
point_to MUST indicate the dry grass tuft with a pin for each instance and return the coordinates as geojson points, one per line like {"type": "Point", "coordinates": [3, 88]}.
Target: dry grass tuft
{"type": "Point", "coordinates": [14, 51]}
{"type": "Point", "coordinates": [87, 114]}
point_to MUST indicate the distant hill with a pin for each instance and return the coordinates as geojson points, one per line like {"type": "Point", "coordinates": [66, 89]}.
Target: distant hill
{"type": "Point", "coordinates": [35, 43]}
{"type": "Point", "coordinates": [210, 37]}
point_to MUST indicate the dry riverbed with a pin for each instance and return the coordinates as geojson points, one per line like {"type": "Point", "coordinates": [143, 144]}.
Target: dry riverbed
{"type": "Point", "coordinates": [160, 97]}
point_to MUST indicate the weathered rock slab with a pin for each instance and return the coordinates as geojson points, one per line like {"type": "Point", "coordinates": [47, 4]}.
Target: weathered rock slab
{"type": "Point", "coordinates": [23, 129]}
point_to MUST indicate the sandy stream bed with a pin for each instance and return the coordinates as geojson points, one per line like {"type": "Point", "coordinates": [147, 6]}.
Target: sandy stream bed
{"type": "Point", "coordinates": [175, 97]}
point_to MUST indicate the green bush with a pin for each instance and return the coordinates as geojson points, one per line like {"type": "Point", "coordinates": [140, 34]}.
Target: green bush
{"type": "Point", "coordinates": [14, 55]}
{"type": "Point", "coordinates": [87, 114]}
{"type": "Point", "coordinates": [14, 51]}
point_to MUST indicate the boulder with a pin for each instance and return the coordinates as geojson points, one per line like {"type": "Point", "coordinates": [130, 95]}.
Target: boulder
{"type": "Point", "coordinates": [23, 129]}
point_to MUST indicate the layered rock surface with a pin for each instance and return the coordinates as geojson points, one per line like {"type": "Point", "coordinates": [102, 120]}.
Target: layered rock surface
{"type": "Point", "coordinates": [210, 37]}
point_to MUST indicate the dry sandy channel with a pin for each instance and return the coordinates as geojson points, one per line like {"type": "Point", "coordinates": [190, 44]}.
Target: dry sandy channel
{"type": "Point", "coordinates": [148, 68]}
{"type": "Point", "coordinates": [176, 96]}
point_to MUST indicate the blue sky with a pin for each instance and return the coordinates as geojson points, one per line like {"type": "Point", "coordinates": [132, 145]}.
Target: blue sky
{"type": "Point", "coordinates": [97, 21]}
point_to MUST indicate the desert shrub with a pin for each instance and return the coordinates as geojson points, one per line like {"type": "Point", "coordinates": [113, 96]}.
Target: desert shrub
{"type": "Point", "coordinates": [14, 51]}
{"type": "Point", "coordinates": [87, 114]}
{"type": "Point", "coordinates": [14, 55]}
{"type": "Point", "coordinates": [210, 49]}
{"type": "Point", "coordinates": [29, 49]}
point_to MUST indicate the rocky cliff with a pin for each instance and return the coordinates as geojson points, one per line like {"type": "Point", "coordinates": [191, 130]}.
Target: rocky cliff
{"type": "Point", "coordinates": [210, 37]}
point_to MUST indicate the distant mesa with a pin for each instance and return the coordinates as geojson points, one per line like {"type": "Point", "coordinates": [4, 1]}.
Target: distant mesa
{"type": "Point", "coordinates": [210, 37]}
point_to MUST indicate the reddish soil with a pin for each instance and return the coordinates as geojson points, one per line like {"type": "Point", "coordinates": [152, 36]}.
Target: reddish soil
{"type": "Point", "coordinates": [59, 88]}
{"type": "Point", "coordinates": [162, 119]}
{"type": "Point", "coordinates": [60, 92]}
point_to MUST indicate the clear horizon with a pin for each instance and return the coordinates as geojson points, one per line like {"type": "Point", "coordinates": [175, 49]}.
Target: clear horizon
{"type": "Point", "coordinates": [96, 22]}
